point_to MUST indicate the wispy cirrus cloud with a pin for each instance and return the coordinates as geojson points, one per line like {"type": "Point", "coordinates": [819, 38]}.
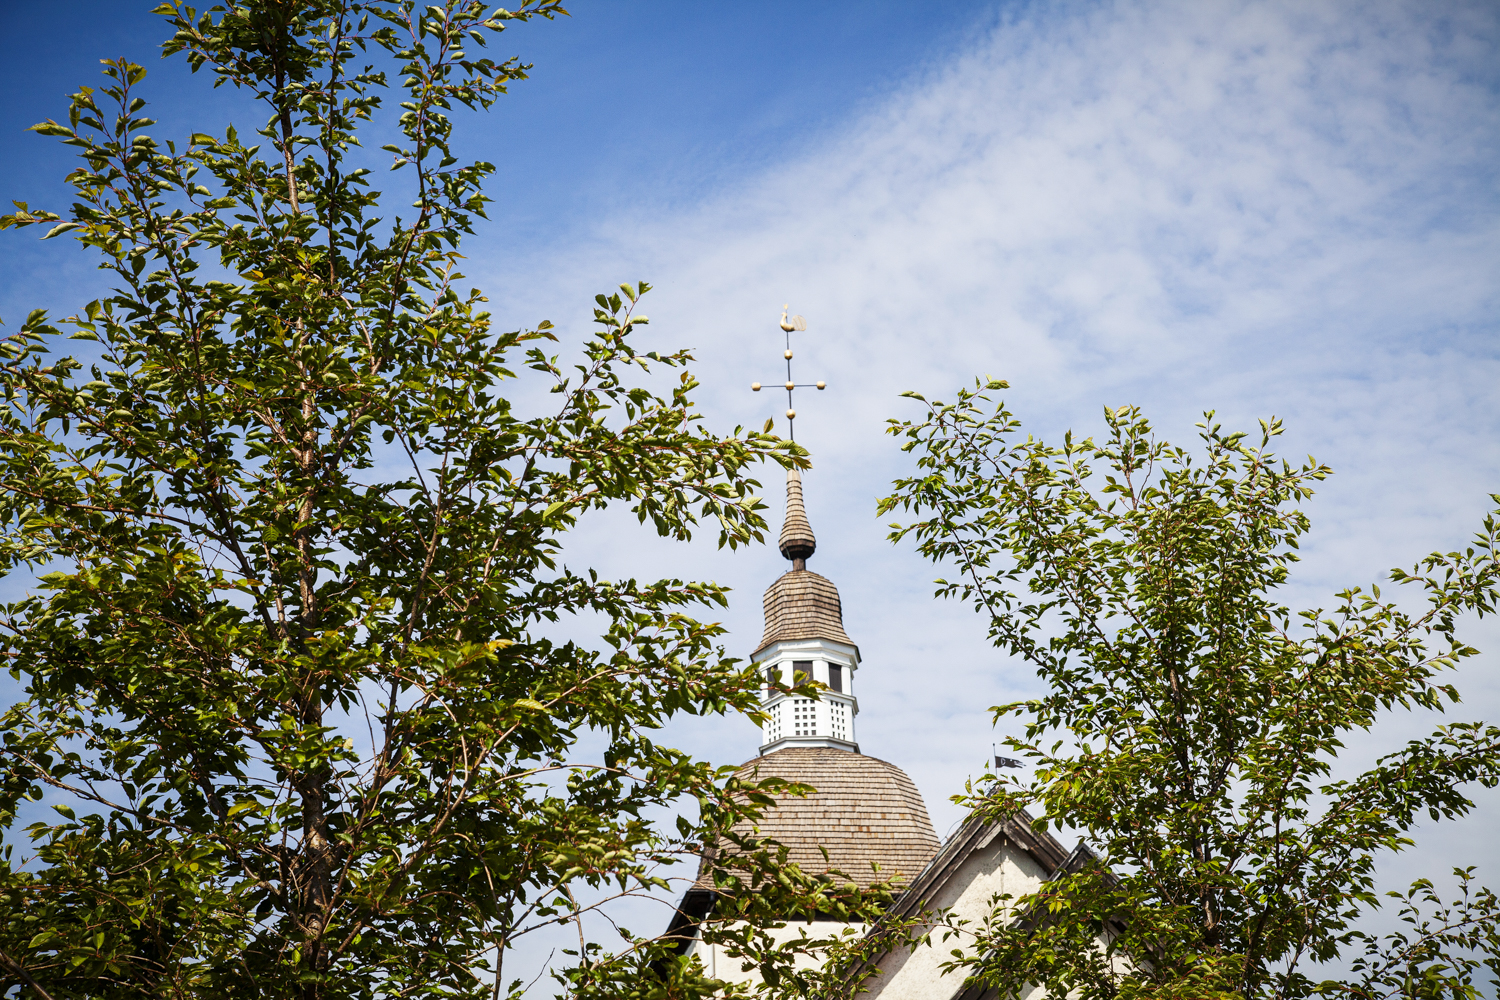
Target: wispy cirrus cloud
{"type": "Point", "coordinates": [1257, 208]}
{"type": "Point", "coordinates": [1267, 208]}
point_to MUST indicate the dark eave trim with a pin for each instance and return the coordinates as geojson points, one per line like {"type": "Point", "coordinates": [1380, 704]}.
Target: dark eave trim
{"type": "Point", "coordinates": [695, 906]}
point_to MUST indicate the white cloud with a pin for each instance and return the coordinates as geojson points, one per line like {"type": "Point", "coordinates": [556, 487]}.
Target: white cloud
{"type": "Point", "coordinates": [1261, 208]}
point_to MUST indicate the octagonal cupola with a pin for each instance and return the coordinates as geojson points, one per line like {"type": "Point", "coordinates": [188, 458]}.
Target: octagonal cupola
{"type": "Point", "coordinates": [805, 638]}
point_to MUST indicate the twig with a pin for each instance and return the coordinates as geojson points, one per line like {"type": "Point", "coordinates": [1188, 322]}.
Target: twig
{"type": "Point", "coordinates": [37, 987]}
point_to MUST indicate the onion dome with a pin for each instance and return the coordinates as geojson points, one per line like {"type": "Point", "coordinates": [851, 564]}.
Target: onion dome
{"type": "Point", "coordinates": [864, 810]}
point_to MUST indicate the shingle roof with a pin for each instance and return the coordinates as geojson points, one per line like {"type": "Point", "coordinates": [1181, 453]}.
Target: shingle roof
{"type": "Point", "coordinates": [803, 605]}
{"type": "Point", "coordinates": [797, 541]}
{"type": "Point", "coordinates": [864, 810]}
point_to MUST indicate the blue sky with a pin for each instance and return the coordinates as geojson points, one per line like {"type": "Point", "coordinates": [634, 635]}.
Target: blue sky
{"type": "Point", "coordinates": [1258, 208]}
{"type": "Point", "coordinates": [666, 101]}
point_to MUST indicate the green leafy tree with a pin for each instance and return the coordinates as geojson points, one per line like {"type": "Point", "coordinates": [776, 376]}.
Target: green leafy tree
{"type": "Point", "coordinates": [1191, 722]}
{"type": "Point", "coordinates": [290, 673]}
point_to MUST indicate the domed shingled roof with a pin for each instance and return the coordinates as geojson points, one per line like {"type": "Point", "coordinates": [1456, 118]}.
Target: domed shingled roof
{"type": "Point", "coordinates": [864, 810]}
{"type": "Point", "coordinates": [803, 605]}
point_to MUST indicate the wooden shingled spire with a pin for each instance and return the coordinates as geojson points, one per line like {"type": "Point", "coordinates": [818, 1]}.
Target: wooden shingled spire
{"type": "Point", "coordinates": [797, 541]}
{"type": "Point", "coordinates": [801, 605]}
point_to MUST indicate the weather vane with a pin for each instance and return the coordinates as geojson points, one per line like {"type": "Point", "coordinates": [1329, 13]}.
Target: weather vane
{"type": "Point", "coordinates": [787, 326]}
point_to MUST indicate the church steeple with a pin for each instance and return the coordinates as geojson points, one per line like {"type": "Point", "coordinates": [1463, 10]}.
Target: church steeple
{"type": "Point", "coordinates": [865, 818]}
{"type": "Point", "coordinates": [805, 640]}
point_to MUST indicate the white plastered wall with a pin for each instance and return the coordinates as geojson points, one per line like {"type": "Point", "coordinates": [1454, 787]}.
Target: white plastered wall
{"type": "Point", "coordinates": [717, 962]}
{"type": "Point", "coordinates": [998, 867]}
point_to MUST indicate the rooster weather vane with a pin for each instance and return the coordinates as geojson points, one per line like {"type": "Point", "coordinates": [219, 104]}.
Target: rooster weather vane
{"type": "Point", "coordinates": [788, 325]}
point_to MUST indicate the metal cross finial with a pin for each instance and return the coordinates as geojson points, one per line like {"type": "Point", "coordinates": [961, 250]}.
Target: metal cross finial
{"type": "Point", "coordinates": [787, 326]}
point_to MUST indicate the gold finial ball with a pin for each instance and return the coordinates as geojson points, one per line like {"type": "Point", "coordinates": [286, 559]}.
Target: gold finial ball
{"type": "Point", "coordinates": [755, 387]}
{"type": "Point", "coordinates": [788, 355]}
{"type": "Point", "coordinates": [822, 385]}
{"type": "Point", "coordinates": [790, 386]}
{"type": "Point", "coordinates": [791, 414]}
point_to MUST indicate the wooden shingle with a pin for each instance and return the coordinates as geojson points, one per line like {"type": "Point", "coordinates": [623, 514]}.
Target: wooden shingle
{"type": "Point", "coordinates": [797, 541]}
{"type": "Point", "coordinates": [803, 605]}
{"type": "Point", "coordinates": [864, 810]}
